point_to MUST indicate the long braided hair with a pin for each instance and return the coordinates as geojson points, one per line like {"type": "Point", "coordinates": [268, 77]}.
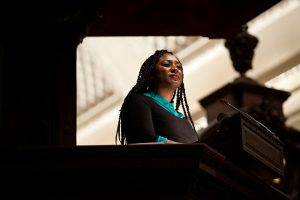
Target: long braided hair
{"type": "Point", "coordinates": [143, 84]}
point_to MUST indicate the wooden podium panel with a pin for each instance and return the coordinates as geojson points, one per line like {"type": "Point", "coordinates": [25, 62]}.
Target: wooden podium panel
{"type": "Point", "coordinates": [156, 171]}
{"type": "Point", "coordinates": [262, 145]}
{"type": "Point", "coordinates": [247, 145]}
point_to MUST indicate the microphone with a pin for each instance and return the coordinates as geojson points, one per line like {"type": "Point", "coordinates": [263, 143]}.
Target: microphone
{"type": "Point", "coordinates": [246, 115]}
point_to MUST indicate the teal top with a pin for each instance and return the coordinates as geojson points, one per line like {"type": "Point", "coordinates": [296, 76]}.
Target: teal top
{"type": "Point", "coordinates": [164, 103]}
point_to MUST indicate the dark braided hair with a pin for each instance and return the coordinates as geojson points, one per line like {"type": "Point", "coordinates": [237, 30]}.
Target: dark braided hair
{"type": "Point", "coordinates": [143, 84]}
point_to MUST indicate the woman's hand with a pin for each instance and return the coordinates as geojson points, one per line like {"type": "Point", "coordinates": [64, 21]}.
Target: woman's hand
{"type": "Point", "coordinates": [172, 142]}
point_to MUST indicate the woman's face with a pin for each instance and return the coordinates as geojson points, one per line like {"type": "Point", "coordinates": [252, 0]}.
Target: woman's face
{"type": "Point", "coordinates": [168, 72]}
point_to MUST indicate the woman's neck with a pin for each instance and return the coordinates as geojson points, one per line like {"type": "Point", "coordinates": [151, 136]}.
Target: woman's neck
{"type": "Point", "coordinates": [165, 93]}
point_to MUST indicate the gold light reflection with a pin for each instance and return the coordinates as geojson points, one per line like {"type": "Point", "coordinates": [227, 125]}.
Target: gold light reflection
{"type": "Point", "coordinates": [276, 180]}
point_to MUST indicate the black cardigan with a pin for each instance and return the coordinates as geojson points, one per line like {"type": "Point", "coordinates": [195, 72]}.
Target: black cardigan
{"type": "Point", "coordinates": [143, 120]}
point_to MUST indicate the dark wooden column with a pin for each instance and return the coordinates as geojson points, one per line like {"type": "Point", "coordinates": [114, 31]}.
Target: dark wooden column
{"type": "Point", "coordinates": [38, 73]}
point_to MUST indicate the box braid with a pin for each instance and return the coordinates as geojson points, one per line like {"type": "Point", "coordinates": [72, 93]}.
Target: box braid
{"type": "Point", "coordinates": [182, 100]}
{"type": "Point", "coordinates": [144, 84]}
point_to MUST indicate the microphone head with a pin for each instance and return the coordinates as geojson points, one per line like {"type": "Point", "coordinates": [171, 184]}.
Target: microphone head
{"type": "Point", "coordinates": [221, 116]}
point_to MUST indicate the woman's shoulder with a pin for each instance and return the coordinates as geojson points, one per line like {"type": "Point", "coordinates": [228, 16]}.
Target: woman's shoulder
{"type": "Point", "coordinates": [135, 102]}
{"type": "Point", "coordinates": [138, 98]}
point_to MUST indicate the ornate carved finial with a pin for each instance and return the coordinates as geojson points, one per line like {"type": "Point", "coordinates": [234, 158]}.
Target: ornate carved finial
{"type": "Point", "coordinates": [241, 49]}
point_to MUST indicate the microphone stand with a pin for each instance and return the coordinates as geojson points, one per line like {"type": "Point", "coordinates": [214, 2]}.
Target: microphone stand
{"type": "Point", "coordinates": [246, 115]}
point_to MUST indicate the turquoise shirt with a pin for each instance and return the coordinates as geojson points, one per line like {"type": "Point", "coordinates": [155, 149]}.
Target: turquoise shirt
{"type": "Point", "coordinates": [164, 103]}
